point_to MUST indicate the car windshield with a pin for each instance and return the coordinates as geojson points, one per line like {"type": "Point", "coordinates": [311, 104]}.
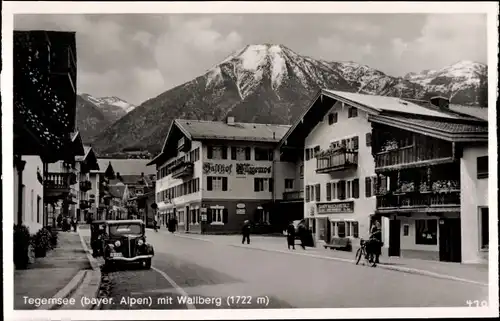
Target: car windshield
{"type": "Point", "coordinates": [125, 229]}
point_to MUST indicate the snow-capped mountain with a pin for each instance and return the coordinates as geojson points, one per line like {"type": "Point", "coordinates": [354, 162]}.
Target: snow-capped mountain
{"type": "Point", "coordinates": [113, 106]}
{"type": "Point", "coordinates": [266, 83]}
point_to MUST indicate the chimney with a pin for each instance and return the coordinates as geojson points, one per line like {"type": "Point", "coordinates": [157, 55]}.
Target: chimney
{"type": "Point", "coordinates": [441, 102]}
{"type": "Point", "coordinates": [230, 120]}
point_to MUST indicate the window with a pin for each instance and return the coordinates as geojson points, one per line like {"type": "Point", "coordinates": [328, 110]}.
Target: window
{"type": "Point", "coordinates": [38, 205]}
{"type": "Point", "coordinates": [368, 139]}
{"type": "Point", "coordinates": [308, 154]}
{"type": "Point", "coordinates": [353, 112]}
{"type": "Point", "coordinates": [318, 192]}
{"type": "Point", "coordinates": [217, 152]}
{"type": "Point", "coordinates": [301, 171]}
{"type": "Point", "coordinates": [240, 153]}
{"type": "Point", "coordinates": [180, 214]}
{"type": "Point", "coordinates": [216, 183]}
{"type": "Point", "coordinates": [355, 188]}
{"type": "Point", "coordinates": [308, 199]}
{"type": "Point", "coordinates": [406, 230]}
{"type": "Point", "coordinates": [193, 216]}
{"type": "Point", "coordinates": [32, 207]}
{"type": "Point", "coordinates": [262, 154]}
{"type": "Point", "coordinates": [368, 186]}
{"type": "Point", "coordinates": [333, 228]}
{"type": "Point", "coordinates": [482, 167]}
{"type": "Point", "coordinates": [484, 228]}
{"type": "Point", "coordinates": [348, 189]}
{"type": "Point", "coordinates": [263, 216]}
{"type": "Point", "coordinates": [316, 151]}
{"type": "Point", "coordinates": [347, 229]}
{"type": "Point", "coordinates": [341, 229]}
{"type": "Point", "coordinates": [262, 184]}
{"type": "Point", "coordinates": [355, 229]}
{"type": "Point", "coordinates": [332, 118]}
{"type": "Point", "coordinates": [288, 183]}
{"type": "Point", "coordinates": [341, 190]}
{"type": "Point", "coordinates": [328, 191]}
{"type": "Point", "coordinates": [426, 232]}
{"type": "Point", "coordinates": [218, 215]}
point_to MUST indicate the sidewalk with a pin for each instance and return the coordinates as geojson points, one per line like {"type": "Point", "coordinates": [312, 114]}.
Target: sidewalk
{"type": "Point", "coordinates": [64, 273]}
{"type": "Point", "coordinates": [471, 273]}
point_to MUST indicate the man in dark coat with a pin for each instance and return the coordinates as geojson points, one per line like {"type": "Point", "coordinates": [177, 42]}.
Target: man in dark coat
{"type": "Point", "coordinates": [290, 235]}
{"type": "Point", "coordinates": [246, 232]}
{"type": "Point", "coordinates": [375, 240]}
{"type": "Point", "coordinates": [172, 224]}
{"type": "Point", "coordinates": [303, 235]}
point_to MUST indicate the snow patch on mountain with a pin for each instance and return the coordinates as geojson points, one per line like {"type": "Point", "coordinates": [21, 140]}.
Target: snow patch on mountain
{"type": "Point", "coordinates": [112, 100]}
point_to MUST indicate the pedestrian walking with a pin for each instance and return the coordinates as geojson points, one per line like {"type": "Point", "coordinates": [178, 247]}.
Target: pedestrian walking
{"type": "Point", "coordinates": [302, 235]}
{"type": "Point", "coordinates": [74, 223]}
{"type": "Point", "coordinates": [375, 240]}
{"type": "Point", "coordinates": [246, 232]}
{"type": "Point", "coordinates": [172, 224]}
{"type": "Point", "coordinates": [290, 235]}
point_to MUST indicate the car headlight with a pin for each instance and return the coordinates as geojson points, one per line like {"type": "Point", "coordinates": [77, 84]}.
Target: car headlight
{"type": "Point", "coordinates": [140, 242]}
{"type": "Point", "coordinates": [117, 243]}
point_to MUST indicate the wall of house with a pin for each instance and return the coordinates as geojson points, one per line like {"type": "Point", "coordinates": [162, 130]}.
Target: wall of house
{"type": "Point", "coordinates": [33, 214]}
{"type": "Point", "coordinates": [323, 135]}
{"type": "Point", "coordinates": [473, 195]}
{"type": "Point", "coordinates": [240, 185]}
{"type": "Point", "coordinates": [94, 179]}
{"type": "Point", "coordinates": [287, 170]}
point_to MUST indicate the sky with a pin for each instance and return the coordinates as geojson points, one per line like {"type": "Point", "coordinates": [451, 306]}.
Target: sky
{"type": "Point", "coordinates": [139, 56]}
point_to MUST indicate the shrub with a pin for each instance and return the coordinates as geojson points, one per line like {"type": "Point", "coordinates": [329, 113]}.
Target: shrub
{"type": "Point", "coordinates": [22, 241]}
{"type": "Point", "coordinates": [43, 243]}
{"type": "Point", "coordinates": [53, 237]}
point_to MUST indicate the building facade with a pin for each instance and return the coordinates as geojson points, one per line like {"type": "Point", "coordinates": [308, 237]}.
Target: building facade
{"type": "Point", "coordinates": [212, 176]}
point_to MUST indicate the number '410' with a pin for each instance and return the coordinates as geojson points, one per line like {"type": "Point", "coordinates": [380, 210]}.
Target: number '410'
{"type": "Point", "coordinates": [477, 303]}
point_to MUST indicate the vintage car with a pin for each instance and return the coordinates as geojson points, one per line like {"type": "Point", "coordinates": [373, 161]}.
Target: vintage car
{"type": "Point", "coordinates": [124, 241]}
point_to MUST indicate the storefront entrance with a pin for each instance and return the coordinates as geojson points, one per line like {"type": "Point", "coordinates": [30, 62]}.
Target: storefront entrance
{"type": "Point", "coordinates": [450, 241]}
{"type": "Point", "coordinates": [394, 238]}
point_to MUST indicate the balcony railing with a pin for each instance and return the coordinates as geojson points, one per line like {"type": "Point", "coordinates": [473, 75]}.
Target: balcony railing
{"type": "Point", "coordinates": [183, 169]}
{"type": "Point", "coordinates": [59, 180]}
{"type": "Point", "coordinates": [336, 160]}
{"type": "Point", "coordinates": [416, 201]}
{"type": "Point", "coordinates": [85, 186]}
{"type": "Point", "coordinates": [411, 155]}
{"type": "Point", "coordinates": [293, 195]}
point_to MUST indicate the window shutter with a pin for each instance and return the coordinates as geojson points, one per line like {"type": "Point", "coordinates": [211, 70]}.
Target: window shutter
{"type": "Point", "coordinates": [225, 216]}
{"type": "Point", "coordinates": [355, 228]}
{"type": "Point", "coordinates": [255, 184]}
{"type": "Point", "coordinates": [209, 183]}
{"type": "Point", "coordinates": [342, 190]}
{"type": "Point", "coordinates": [224, 183]}
{"type": "Point", "coordinates": [330, 119]}
{"type": "Point", "coordinates": [374, 185]}
{"type": "Point", "coordinates": [368, 186]}
{"type": "Point", "coordinates": [368, 139]}
{"type": "Point", "coordinates": [355, 188]}
{"type": "Point", "coordinates": [224, 152]}
{"type": "Point", "coordinates": [307, 194]}
{"type": "Point", "coordinates": [247, 153]}
{"type": "Point", "coordinates": [233, 153]}
{"type": "Point", "coordinates": [355, 142]}
{"type": "Point", "coordinates": [328, 191]}
{"type": "Point", "coordinates": [343, 143]}
{"type": "Point", "coordinates": [271, 183]}
{"type": "Point", "coordinates": [318, 192]}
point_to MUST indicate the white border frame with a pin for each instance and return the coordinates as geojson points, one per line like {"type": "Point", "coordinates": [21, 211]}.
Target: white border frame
{"type": "Point", "coordinates": [10, 8]}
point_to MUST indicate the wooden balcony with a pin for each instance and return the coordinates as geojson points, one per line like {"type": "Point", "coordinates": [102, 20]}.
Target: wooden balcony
{"type": "Point", "coordinates": [411, 157]}
{"type": "Point", "coordinates": [183, 170]}
{"type": "Point", "coordinates": [293, 196]}
{"type": "Point", "coordinates": [58, 183]}
{"type": "Point", "coordinates": [85, 186]}
{"type": "Point", "coordinates": [419, 202]}
{"type": "Point", "coordinates": [337, 159]}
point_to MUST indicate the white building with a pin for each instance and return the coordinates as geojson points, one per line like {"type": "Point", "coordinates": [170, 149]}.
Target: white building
{"type": "Point", "coordinates": [215, 175]}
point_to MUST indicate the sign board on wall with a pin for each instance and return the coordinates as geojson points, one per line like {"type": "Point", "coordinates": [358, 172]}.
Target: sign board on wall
{"type": "Point", "coordinates": [338, 207]}
{"type": "Point", "coordinates": [240, 209]}
{"type": "Point", "coordinates": [249, 169]}
{"type": "Point", "coordinates": [203, 217]}
{"type": "Point", "coordinates": [209, 168]}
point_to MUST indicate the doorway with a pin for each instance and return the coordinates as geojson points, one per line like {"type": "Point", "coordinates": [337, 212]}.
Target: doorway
{"type": "Point", "coordinates": [450, 240]}
{"type": "Point", "coordinates": [186, 218]}
{"type": "Point", "coordinates": [394, 238]}
{"type": "Point", "coordinates": [328, 238]}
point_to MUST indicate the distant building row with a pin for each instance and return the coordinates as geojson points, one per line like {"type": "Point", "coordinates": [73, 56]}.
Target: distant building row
{"type": "Point", "coordinates": [420, 168]}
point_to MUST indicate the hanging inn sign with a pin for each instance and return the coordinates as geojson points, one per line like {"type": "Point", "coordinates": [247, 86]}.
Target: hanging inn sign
{"type": "Point", "coordinates": [249, 169]}
{"type": "Point", "coordinates": [338, 207]}
{"type": "Point", "coordinates": [209, 168]}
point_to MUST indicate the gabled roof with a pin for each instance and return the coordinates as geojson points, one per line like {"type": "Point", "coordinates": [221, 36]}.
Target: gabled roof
{"type": "Point", "coordinates": [133, 166]}
{"type": "Point", "coordinates": [378, 105]}
{"type": "Point", "coordinates": [219, 130]}
{"type": "Point", "coordinates": [89, 157]}
{"type": "Point", "coordinates": [78, 148]}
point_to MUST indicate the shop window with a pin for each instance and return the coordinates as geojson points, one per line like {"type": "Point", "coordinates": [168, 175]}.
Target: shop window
{"type": "Point", "coordinates": [482, 167]}
{"type": "Point", "coordinates": [484, 228]}
{"type": "Point", "coordinates": [426, 232]}
{"type": "Point", "coordinates": [341, 229]}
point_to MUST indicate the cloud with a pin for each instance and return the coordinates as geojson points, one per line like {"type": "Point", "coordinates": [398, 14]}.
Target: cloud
{"type": "Point", "coordinates": [143, 37]}
{"type": "Point", "coordinates": [444, 39]}
{"type": "Point", "coordinates": [338, 48]}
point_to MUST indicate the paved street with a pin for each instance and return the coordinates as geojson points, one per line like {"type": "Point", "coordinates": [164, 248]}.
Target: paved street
{"type": "Point", "coordinates": [249, 278]}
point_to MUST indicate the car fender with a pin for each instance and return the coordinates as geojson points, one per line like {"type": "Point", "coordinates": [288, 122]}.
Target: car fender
{"type": "Point", "coordinates": [150, 249]}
